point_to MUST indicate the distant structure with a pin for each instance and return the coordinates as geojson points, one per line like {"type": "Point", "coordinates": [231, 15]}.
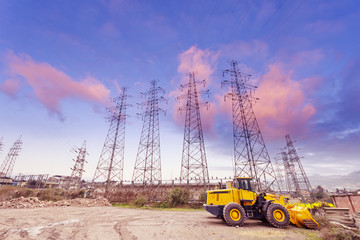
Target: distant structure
{"type": "Point", "coordinates": [148, 160]}
{"type": "Point", "coordinates": [31, 181]}
{"type": "Point", "coordinates": [295, 174]}
{"type": "Point", "coordinates": [78, 169]}
{"type": "Point", "coordinates": [111, 163]}
{"type": "Point", "coordinates": [251, 157]}
{"type": "Point", "coordinates": [7, 166]}
{"type": "Point", "coordinates": [193, 164]}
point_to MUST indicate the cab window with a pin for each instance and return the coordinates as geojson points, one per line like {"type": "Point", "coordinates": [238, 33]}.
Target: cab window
{"type": "Point", "coordinates": [245, 184]}
{"type": "Point", "coordinates": [236, 184]}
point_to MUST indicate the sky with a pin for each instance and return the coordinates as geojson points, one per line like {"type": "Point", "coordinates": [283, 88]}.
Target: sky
{"type": "Point", "coordinates": [61, 61]}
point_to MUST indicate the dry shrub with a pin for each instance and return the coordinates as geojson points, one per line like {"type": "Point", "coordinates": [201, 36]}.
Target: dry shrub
{"type": "Point", "coordinates": [24, 192]}
{"type": "Point", "coordinates": [331, 231]}
{"type": "Point", "coordinates": [140, 201]}
{"type": "Point", "coordinates": [178, 196]}
{"type": "Point", "coordinates": [339, 234]}
{"type": "Point", "coordinates": [6, 192]}
{"type": "Point", "coordinates": [55, 194]}
{"type": "Point", "coordinates": [9, 192]}
{"type": "Point", "coordinates": [75, 193]}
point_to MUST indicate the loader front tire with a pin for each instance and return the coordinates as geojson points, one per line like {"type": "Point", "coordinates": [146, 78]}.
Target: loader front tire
{"type": "Point", "coordinates": [234, 214]}
{"type": "Point", "coordinates": [278, 216]}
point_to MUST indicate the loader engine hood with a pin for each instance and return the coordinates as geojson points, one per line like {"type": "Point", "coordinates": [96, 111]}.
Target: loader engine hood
{"type": "Point", "coordinates": [219, 197]}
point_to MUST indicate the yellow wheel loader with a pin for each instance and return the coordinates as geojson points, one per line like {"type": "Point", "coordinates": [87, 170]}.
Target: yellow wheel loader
{"type": "Point", "coordinates": [239, 201]}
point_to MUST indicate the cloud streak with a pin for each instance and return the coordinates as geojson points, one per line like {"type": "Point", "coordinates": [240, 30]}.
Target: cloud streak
{"type": "Point", "coordinates": [50, 85]}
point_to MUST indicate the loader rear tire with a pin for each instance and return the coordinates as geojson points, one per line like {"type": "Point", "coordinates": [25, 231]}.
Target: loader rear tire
{"type": "Point", "coordinates": [277, 215]}
{"type": "Point", "coordinates": [234, 214]}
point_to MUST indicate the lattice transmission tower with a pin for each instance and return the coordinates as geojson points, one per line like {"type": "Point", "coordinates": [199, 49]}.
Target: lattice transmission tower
{"type": "Point", "coordinates": [78, 169]}
{"type": "Point", "coordinates": [279, 169]}
{"type": "Point", "coordinates": [111, 163]}
{"type": "Point", "coordinates": [7, 166]}
{"type": "Point", "coordinates": [148, 159]}
{"type": "Point", "coordinates": [289, 171]}
{"type": "Point", "coordinates": [298, 181]}
{"type": "Point", "coordinates": [251, 158]}
{"type": "Point", "coordinates": [193, 164]}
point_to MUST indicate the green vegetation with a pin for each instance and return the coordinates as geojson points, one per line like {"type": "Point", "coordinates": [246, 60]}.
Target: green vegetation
{"type": "Point", "coordinates": [140, 201]}
{"type": "Point", "coordinates": [177, 199]}
{"type": "Point", "coordinates": [312, 235]}
{"type": "Point", "coordinates": [157, 206]}
{"type": "Point", "coordinates": [202, 196]}
{"type": "Point", "coordinates": [160, 205]}
{"type": "Point", "coordinates": [320, 195]}
{"type": "Point", "coordinates": [178, 196]}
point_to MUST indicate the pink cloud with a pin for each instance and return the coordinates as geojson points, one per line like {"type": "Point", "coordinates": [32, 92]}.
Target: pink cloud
{"type": "Point", "coordinates": [197, 60]}
{"type": "Point", "coordinates": [11, 87]}
{"type": "Point", "coordinates": [203, 63]}
{"type": "Point", "coordinates": [282, 107]}
{"type": "Point", "coordinates": [50, 85]}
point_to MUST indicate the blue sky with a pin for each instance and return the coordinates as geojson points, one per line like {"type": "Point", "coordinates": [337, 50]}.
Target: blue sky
{"type": "Point", "coordinates": [60, 61]}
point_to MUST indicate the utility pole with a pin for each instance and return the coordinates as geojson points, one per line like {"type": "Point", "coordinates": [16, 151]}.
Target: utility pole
{"type": "Point", "coordinates": [193, 164]}
{"type": "Point", "coordinates": [148, 159]}
{"type": "Point", "coordinates": [251, 157]}
{"type": "Point", "coordinates": [111, 163]}
{"type": "Point", "coordinates": [78, 169]}
{"type": "Point", "coordinates": [7, 166]}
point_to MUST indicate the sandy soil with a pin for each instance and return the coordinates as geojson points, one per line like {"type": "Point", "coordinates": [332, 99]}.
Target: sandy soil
{"type": "Point", "coordinates": [123, 223]}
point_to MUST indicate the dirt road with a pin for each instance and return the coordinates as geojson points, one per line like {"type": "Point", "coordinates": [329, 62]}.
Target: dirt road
{"type": "Point", "coordinates": [123, 223]}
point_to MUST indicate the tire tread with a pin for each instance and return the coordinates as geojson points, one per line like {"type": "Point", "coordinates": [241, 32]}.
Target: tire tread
{"type": "Point", "coordinates": [270, 217]}
{"type": "Point", "coordinates": [226, 214]}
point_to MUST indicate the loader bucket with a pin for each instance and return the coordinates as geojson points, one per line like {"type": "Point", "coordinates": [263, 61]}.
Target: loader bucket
{"type": "Point", "coordinates": [301, 217]}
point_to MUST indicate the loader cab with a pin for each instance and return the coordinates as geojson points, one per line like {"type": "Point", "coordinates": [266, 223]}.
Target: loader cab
{"type": "Point", "coordinates": [244, 184]}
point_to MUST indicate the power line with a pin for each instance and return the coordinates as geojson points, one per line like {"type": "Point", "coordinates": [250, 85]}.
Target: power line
{"type": "Point", "coordinates": [285, 21]}
{"type": "Point", "coordinates": [270, 18]}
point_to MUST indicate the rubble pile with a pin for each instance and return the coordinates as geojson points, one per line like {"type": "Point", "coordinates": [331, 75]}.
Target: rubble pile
{"type": "Point", "coordinates": [34, 202]}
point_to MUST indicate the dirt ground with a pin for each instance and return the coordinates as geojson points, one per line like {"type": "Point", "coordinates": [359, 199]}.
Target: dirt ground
{"type": "Point", "coordinates": [124, 223]}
